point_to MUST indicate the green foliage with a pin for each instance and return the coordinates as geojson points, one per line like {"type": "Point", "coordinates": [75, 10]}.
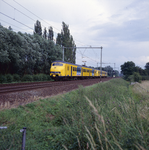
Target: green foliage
{"type": "Point", "coordinates": [38, 28]}
{"type": "Point", "coordinates": [36, 77]}
{"type": "Point", "coordinates": [3, 78]}
{"type": "Point", "coordinates": [9, 78]}
{"type": "Point", "coordinates": [145, 77]}
{"type": "Point", "coordinates": [51, 34]}
{"type": "Point", "coordinates": [27, 78]}
{"type": "Point", "coordinates": [66, 40]}
{"type": "Point", "coordinates": [42, 77]}
{"type": "Point", "coordinates": [48, 78]}
{"type": "Point", "coordinates": [16, 77]}
{"type": "Point", "coordinates": [128, 68]}
{"type": "Point", "coordinates": [103, 116]}
{"type": "Point", "coordinates": [26, 54]}
{"type": "Point", "coordinates": [137, 77]}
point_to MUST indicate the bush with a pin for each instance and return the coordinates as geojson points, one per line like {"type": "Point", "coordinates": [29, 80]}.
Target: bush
{"type": "Point", "coordinates": [16, 77]}
{"type": "Point", "coordinates": [145, 77]}
{"type": "Point", "coordinates": [48, 77]}
{"type": "Point", "coordinates": [42, 77]}
{"type": "Point", "coordinates": [130, 78]}
{"type": "Point", "coordinates": [36, 77]}
{"type": "Point", "coordinates": [27, 78]}
{"type": "Point", "coordinates": [9, 78]}
{"type": "Point", "coordinates": [137, 77]}
{"type": "Point", "coordinates": [3, 79]}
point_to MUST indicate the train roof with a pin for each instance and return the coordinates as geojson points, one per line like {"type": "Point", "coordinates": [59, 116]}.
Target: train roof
{"type": "Point", "coordinates": [74, 64]}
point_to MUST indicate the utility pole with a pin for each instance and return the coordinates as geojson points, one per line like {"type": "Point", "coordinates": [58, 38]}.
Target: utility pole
{"type": "Point", "coordinates": [63, 52]}
{"type": "Point", "coordinates": [101, 64]}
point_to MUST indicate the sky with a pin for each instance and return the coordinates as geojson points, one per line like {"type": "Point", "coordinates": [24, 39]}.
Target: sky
{"type": "Point", "coordinates": [121, 27]}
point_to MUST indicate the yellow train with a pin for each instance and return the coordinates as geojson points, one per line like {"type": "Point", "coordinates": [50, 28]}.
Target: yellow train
{"type": "Point", "coordinates": [61, 70]}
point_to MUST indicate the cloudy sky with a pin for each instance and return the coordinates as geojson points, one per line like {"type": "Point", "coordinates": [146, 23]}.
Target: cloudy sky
{"type": "Point", "coordinates": [121, 27]}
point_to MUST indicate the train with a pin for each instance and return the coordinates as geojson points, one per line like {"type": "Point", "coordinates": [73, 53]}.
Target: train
{"type": "Point", "coordinates": [61, 70]}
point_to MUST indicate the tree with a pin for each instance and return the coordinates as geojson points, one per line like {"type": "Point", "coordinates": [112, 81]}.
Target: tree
{"type": "Point", "coordinates": [10, 28]}
{"type": "Point", "coordinates": [109, 70]}
{"type": "Point", "coordinates": [66, 40]}
{"type": "Point", "coordinates": [128, 68]}
{"type": "Point", "coordinates": [45, 33]}
{"type": "Point", "coordinates": [147, 67]}
{"type": "Point", "coordinates": [38, 28]}
{"type": "Point", "coordinates": [51, 34]}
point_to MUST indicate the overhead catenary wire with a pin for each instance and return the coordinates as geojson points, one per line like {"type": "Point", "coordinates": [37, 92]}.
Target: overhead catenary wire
{"type": "Point", "coordinates": [42, 19]}
{"type": "Point", "coordinates": [34, 14]}
{"type": "Point", "coordinates": [34, 20]}
{"type": "Point", "coordinates": [16, 20]}
{"type": "Point", "coordinates": [18, 10]}
{"type": "Point", "coordinates": [12, 24]}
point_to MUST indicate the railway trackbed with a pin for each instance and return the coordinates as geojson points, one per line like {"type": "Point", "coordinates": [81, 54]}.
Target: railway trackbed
{"type": "Point", "coordinates": [8, 88]}
{"type": "Point", "coordinates": [13, 95]}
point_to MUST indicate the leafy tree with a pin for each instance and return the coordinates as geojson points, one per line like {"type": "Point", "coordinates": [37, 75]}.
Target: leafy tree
{"type": "Point", "coordinates": [109, 69]}
{"type": "Point", "coordinates": [140, 71]}
{"type": "Point", "coordinates": [38, 28]}
{"type": "Point", "coordinates": [26, 54]}
{"type": "Point", "coordinates": [147, 67]}
{"type": "Point", "coordinates": [128, 68]}
{"type": "Point", "coordinates": [10, 28]}
{"type": "Point", "coordinates": [66, 40]}
{"type": "Point", "coordinates": [137, 77]}
{"type": "Point", "coordinates": [51, 34]}
{"type": "Point", "coordinates": [45, 33]}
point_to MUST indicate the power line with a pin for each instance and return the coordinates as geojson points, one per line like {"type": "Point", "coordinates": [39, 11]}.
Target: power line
{"type": "Point", "coordinates": [41, 19]}
{"type": "Point", "coordinates": [16, 20]}
{"type": "Point", "coordinates": [30, 18]}
{"type": "Point", "coordinates": [18, 10]}
{"type": "Point", "coordinates": [12, 24]}
{"type": "Point", "coordinates": [33, 14]}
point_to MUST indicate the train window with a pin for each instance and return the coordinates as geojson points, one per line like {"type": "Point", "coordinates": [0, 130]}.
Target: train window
{"type": "Point", "coordinates": [74, 69]}
{"type": "Point", "coordinates": [57, 64]}
{"type": "Point", "coordinates": [78, 69]}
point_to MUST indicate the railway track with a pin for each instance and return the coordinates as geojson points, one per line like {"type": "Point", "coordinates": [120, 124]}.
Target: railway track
{"type": "Point", "coordinates": [9, 88]}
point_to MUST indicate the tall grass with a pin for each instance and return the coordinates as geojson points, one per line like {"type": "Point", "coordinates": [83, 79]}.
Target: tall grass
{"type": "Point", "coordinates": [104, 116]}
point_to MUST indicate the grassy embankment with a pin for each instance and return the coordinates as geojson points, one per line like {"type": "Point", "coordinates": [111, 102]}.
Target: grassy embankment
{"type": "Point", "coordinates": [109, 115]}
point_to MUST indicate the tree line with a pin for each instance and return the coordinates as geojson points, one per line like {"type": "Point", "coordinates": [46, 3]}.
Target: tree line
{"type": "Point", "coordinates": [22, 53]}
{"type": "Point", "coordinates": [132, 72]}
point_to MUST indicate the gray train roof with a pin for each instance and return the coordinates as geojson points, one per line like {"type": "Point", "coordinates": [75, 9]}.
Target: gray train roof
{"type": "Point", "coordinates": [74, 64]}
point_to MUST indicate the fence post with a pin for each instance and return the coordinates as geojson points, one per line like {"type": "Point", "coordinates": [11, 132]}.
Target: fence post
{"type": "Point", "coordinates": [23, 137]}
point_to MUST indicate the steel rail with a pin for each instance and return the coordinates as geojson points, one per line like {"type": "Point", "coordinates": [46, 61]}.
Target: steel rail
{"type": "Point", "coordinates": [38, 85]}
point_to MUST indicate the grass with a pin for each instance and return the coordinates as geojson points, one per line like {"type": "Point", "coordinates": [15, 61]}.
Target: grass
{"type": "Point", "coordinates": [109, 115]}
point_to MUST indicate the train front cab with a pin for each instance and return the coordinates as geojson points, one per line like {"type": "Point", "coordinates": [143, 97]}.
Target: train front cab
{"type": "Point", "coordinates": [57, 70]}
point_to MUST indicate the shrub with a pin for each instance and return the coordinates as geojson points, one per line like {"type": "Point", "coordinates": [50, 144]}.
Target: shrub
{"type": "Point", "coordinates": [36, 77]}
{"type": "Point", "coordinates": [27, 78]}
{"type": "Point", "coordinates": [130, 78]}
{"type": "Point", "coordinates": [9, 78]}
{"type": "Point", "coordinates": [16, 77]}
{"type": "Point", "coordinates": [3, 79]}
{"type": "Point", "coordinates": [43, 77]}
{"type": "Point", "coordinates": [137, 77]}
{"type": "Point", "coordinates": [48, 77]}
{"type": "Point", "coordinates": [145, 77]}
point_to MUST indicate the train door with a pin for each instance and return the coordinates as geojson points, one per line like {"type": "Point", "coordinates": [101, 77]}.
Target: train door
{"type": "Point", "coordinates": [81, 72]}
{"type": "Point", "coordinates": [71, 70]}
{"type": "Point", "coordinates": [67, 70]}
